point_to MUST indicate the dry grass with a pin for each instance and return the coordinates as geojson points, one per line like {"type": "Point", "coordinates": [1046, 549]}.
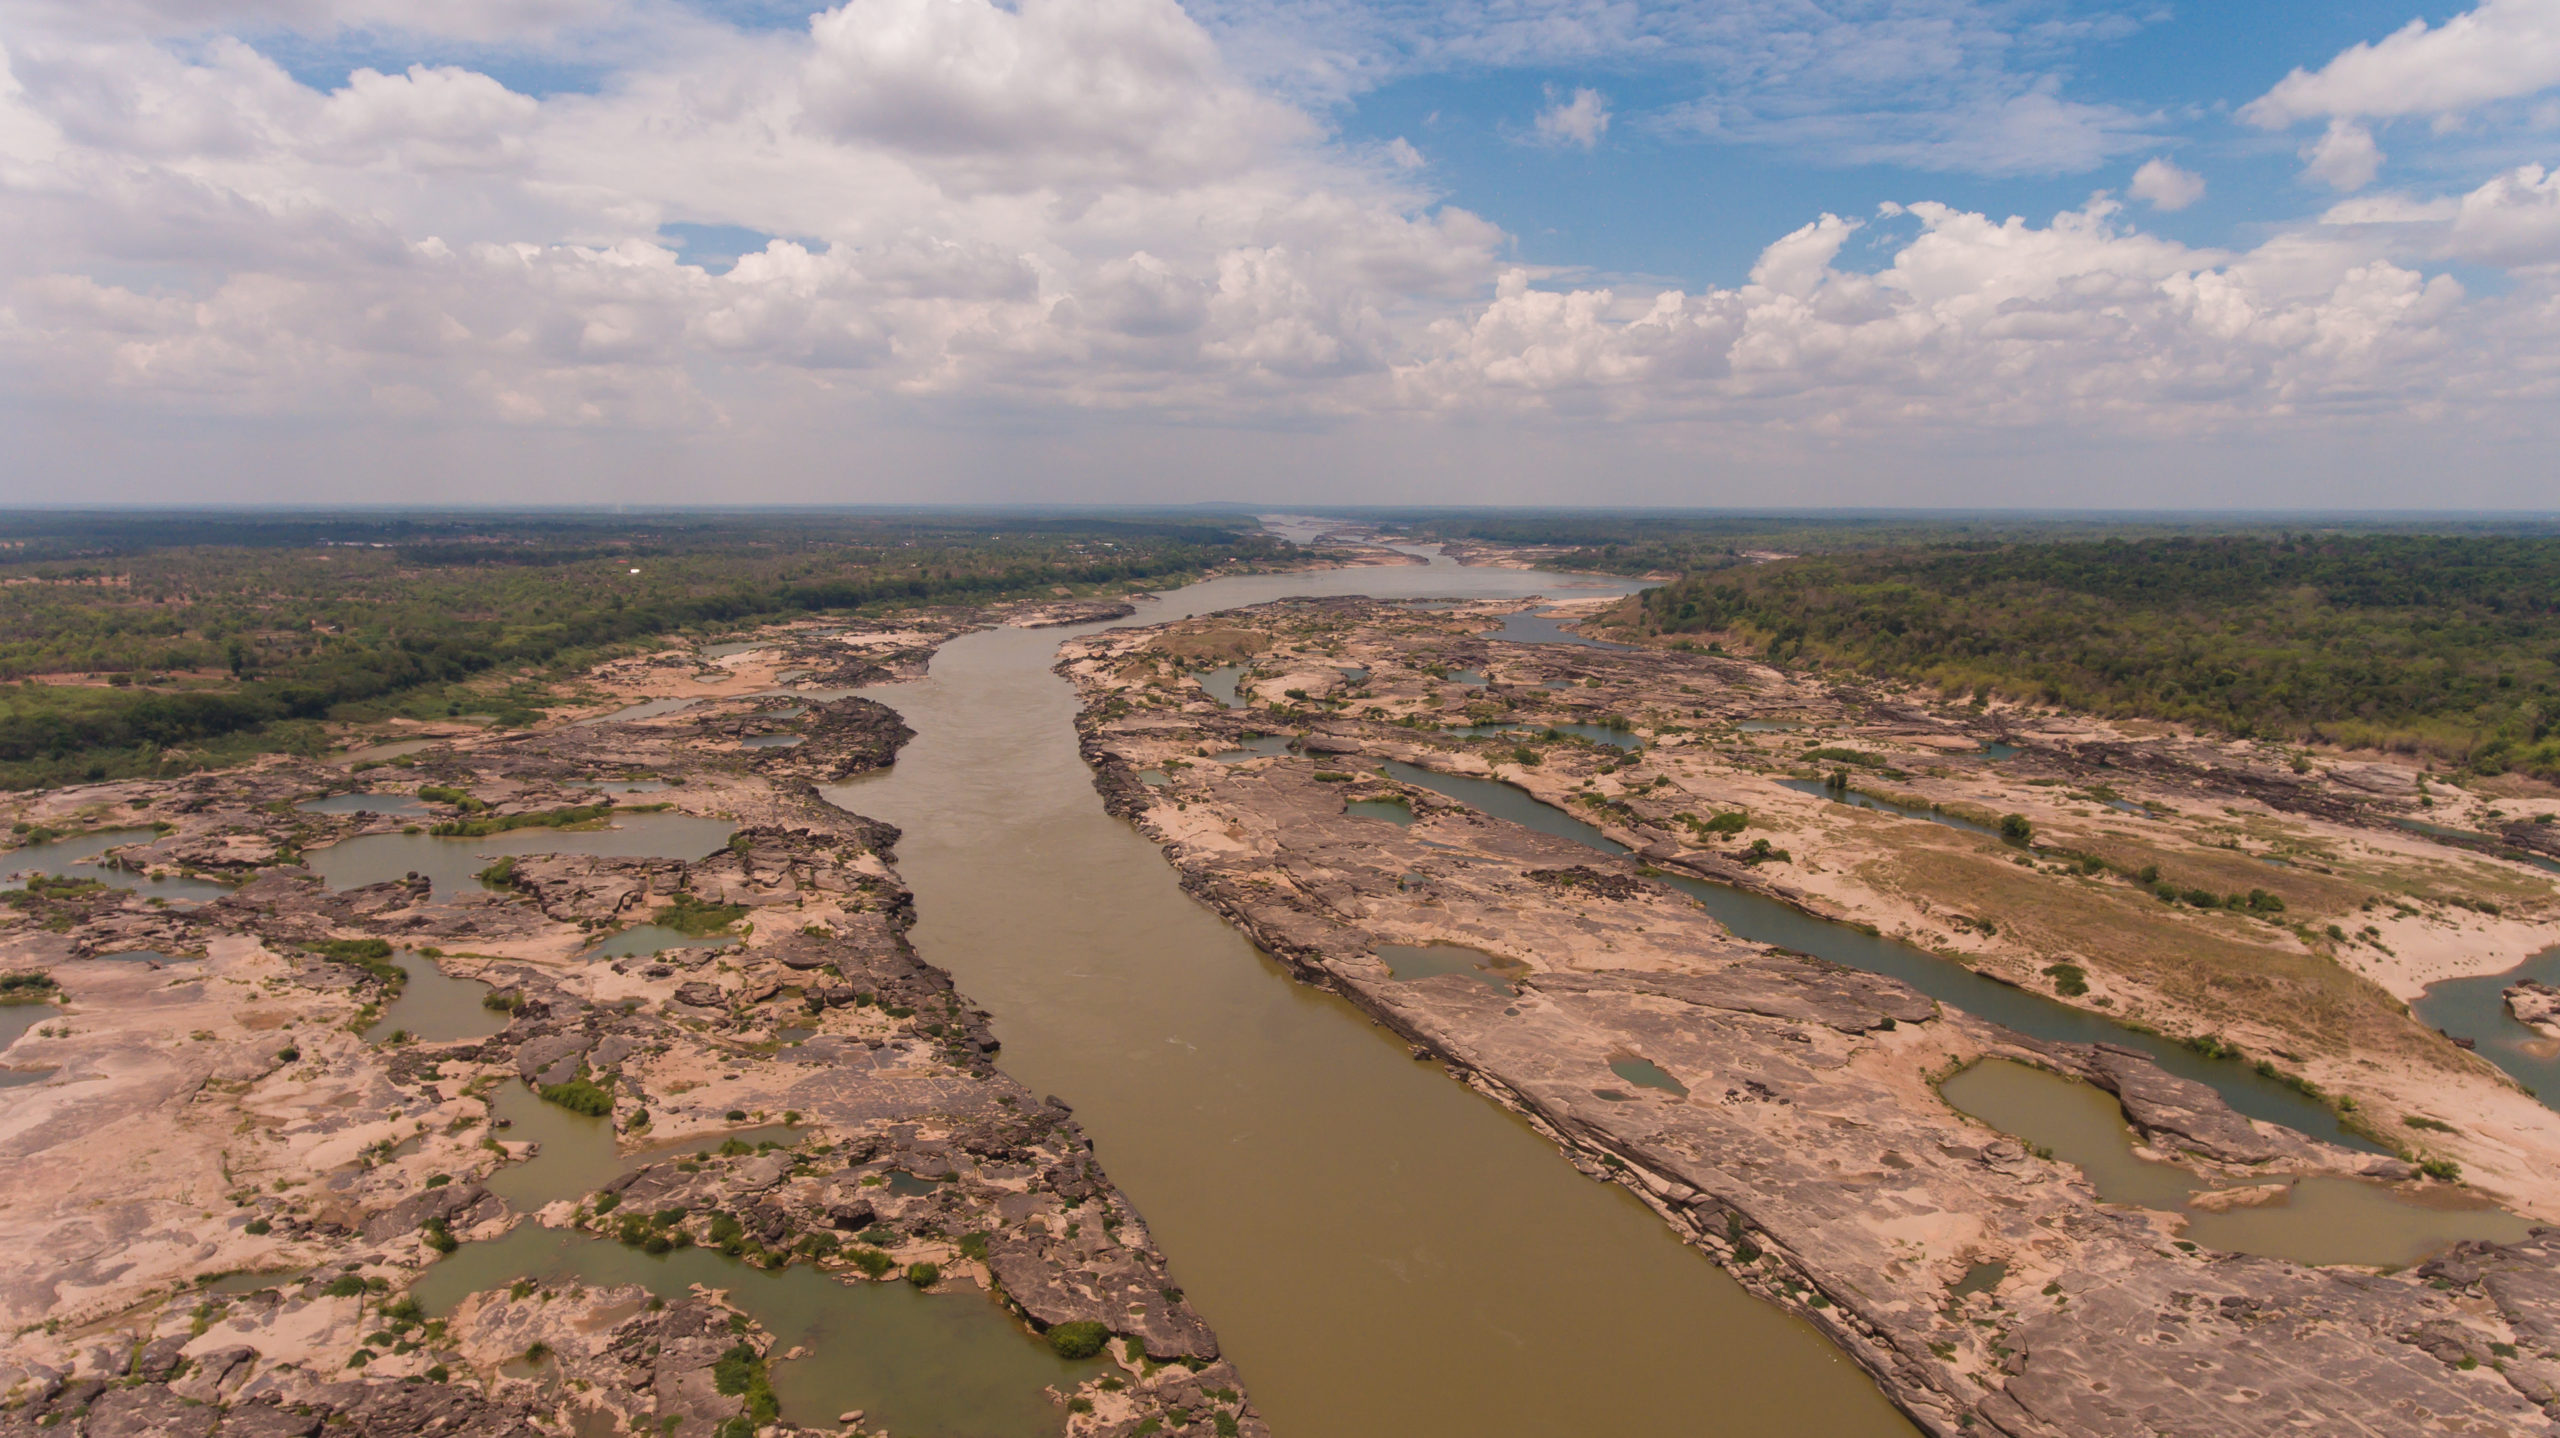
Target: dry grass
{"type": "Point", "coordinates": [2228, 972]}
{"type": "Point", "coordinates": [1219, 643]}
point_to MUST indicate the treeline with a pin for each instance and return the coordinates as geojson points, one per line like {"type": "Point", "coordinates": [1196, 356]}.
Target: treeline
{"type": "Point", "coordinates": [1676, 541]}
{"type": "Point", "coordinates": [229, 649]}
{"type": "Point", "coordinates": [2447, 646]}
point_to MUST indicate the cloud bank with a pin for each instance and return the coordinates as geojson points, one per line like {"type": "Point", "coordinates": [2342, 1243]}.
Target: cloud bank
{"type": "Point", "coordinates": [1090, 218]}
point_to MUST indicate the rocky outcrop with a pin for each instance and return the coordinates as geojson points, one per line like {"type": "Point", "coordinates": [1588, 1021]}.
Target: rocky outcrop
{"type": "Point", "coordinates": [2536, 1006]}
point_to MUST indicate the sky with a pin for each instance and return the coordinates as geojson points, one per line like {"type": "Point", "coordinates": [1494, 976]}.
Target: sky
{"type": "Point", "coordinates": [1756, 253]}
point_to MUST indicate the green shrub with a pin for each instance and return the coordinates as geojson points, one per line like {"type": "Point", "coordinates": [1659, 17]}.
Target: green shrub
{"type": "Point", "coordinates": [2442, 1168]}
{"type": "Point", "coordinates": [2014, 829]}
{"type": "Point", "coordinates": [27, 988]}
{"type": "Point", "coordinates": [2069, 980]}
{"type": "Point", "coordinates": [924, 1275]}
{"type": "Point", "coordinates": [1078, 1340]}
{"type": "Point", "coordinates": [345, 1285]}
{"type": "Point", "coordinates": [870, 1260]}
{"type": "Point", "coordinates": [579, 1095]}
{"type": "Point", "coordinates": [371, 955]}
{"type": "Point", "coordinates": [740, 1373]}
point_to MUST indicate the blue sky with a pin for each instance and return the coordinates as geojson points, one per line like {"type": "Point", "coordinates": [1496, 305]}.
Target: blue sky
{"type": "Point", "coordinates": [1136, 249]}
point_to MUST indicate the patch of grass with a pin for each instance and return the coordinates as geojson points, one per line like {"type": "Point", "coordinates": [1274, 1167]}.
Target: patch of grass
{"type": "Point", "coordinates": [693, 918]}
{"type": "Point", "coordinates": [2224, 973]}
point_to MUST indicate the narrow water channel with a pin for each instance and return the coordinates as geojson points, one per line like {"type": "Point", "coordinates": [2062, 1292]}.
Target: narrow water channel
{"type": "Point", "coordinates": [1766, 921]}
{"type": "Point", "coordinates": [1381, 1251]}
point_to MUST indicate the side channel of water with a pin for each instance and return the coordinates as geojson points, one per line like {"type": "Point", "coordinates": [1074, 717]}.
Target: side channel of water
{"type": "Point", "coordinates": [2317, 1220]}
{"type": "Point", "coordinates": [1766, 921]}
{"type": "Point", "coordinates": [1381, 1251]}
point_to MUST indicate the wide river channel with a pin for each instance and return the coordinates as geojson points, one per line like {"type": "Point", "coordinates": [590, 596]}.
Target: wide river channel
{"type": "Point", "coordinates": [1381, 1250]}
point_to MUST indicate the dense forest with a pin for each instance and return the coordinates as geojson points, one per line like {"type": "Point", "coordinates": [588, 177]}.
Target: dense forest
{"type": "Point", "coordinates": [1637, 541]}
{"type": "Point", "coordinates": [123, 639]}
{"type": "Point", "coordinates": [2447, 646]}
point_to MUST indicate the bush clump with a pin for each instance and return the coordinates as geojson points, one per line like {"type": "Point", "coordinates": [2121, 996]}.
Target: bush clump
{"type": "Point", "coordinates": [27, 988]}
{"type": "Point", "coordinates": [1077, 1340]}
{"type": "Point", "coordinates": [579, 1095]}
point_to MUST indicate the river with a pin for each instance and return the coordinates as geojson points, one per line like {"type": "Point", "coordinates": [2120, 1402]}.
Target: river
{"type": "Point", "coordinates": [1381, 1250]}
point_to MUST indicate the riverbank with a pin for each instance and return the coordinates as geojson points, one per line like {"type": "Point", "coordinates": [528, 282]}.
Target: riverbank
{"type": "Point", "coordinates": [1780, 1115]}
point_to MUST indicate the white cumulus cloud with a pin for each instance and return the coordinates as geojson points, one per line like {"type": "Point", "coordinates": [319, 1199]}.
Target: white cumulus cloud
{"type": "Point", "coordinates": [2165, 186]}
{"type": "Point", "coordinates": [2504, 50]}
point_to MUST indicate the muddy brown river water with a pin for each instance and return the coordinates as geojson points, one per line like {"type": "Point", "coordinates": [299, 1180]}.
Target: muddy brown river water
{"type": "Point", "coordinates": [1381, 1250]}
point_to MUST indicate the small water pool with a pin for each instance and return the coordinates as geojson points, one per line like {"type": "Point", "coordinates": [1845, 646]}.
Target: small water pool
{"type": "Point", "coordinates": [1407, 962]}
{"type": "Point", "coordinates": [1261, 746]}
{"type": "Point", "coordinates": [1394, 811]}
{"type": "Point", "coordinates": [949, 1364]}
{"type": "Point", "coordinates": [1644, 1073]}
{"type": "Point", "coordinates": [433, 1008]}
{"type": "Point", "coordinates": [81, 857]}
{"type": "Point", "coordinates": [2315, 1220]}
{"type": "Point", "coordinates": [772, 741]}
{"type": "Point", "coordinates": [1220, 684]}
{"type": "Point", "coordinates": [1531, 627]}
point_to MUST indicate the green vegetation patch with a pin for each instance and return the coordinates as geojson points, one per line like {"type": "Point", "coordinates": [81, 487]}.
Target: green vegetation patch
{"type": "Point", "coordinates": [579, 1095]}
{"type": "Point", "coordinates": [1078, 1339]}
{"type": "Point", "coordinates": [538, 819]}
{"type": "Point", "coordinates": [740, 1373]}
{"type": "Point", "coordinates": [693, 918]}
{"type": "Point", "coordinates": [28, 988]}
{"type": "Point", "coordinates": [371, 955]}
